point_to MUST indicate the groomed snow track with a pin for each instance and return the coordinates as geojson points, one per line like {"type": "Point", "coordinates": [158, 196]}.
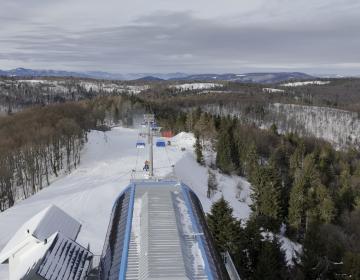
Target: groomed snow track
{"type": "Point", "coordinates": [157, 230]}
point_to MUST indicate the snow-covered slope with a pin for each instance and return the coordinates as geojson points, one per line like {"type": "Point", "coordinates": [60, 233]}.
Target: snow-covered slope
{"type": "Point", "coordinates": [339, 127]}
{"type": "Point", "coordinates": [195, 86]}
{"type": "Point", "coordinates": [306, 83]}
{"type": "Point", "coordinates": [89, 192]}
{"type": "Point", "coordinates": [273, 90]}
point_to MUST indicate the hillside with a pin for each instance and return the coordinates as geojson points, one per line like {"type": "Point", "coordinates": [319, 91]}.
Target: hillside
{"type": "Point", "coordinates": [88, 193]}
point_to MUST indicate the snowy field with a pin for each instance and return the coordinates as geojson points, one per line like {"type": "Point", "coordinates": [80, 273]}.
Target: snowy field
{"type": "Point", "coordinates": [196, 86]}
{"type": "Point", "coordinates": [306, 83]}
{"type": "Point", "coordinates": [64, 86]}
{"type": "Point", "coordinates": [89, 192]}
{"type": "Point", "coordinates": [273, 90]}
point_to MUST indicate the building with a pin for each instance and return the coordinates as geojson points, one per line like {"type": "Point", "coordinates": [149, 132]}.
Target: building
{"type": "Point", "coordinates": [157, 230]}
{"type": "Point", "coordinates": [45, 248]}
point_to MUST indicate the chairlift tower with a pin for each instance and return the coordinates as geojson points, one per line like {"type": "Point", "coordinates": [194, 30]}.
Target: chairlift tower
{"type": "Point", "coordinates": [149, 119]}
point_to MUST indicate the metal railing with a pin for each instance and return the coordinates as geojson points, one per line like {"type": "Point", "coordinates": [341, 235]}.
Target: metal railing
{"type": "Point", "coordinates": [93, 272]}
{"type": "Point", "coordinates": [230, 267]}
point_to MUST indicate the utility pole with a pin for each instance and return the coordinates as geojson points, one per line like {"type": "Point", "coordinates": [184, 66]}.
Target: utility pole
{"type": "Point", "coordinates": [149, 119]}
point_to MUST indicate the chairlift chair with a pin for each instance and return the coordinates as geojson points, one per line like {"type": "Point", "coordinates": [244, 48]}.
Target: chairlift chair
{"type": "Point", "coordinates": [160, 143]}
{"type": "Point", "coordinates": [140, 144]}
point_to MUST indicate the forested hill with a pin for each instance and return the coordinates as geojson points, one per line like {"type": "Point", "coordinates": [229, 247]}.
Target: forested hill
{"type": "Point", "coordinates": [301, 187]}
{"type": "Point", "coordinates": [304, 190]}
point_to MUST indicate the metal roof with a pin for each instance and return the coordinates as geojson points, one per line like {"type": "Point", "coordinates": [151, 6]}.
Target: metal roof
{"type": "Point", "coordinates": [158, 231]}
{"type": "Point", "coordinates": [65, 260]}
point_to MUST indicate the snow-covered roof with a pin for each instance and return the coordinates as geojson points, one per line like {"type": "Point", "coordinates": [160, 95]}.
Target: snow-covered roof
{"type": "Point", "coordinates": [44, 224]}
{"type": "Point", "coordinates": [65, 259]}
{"type": "Point", "coordinates": [31, 256]}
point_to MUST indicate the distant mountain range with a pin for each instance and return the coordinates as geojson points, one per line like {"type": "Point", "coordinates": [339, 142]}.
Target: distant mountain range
{"type": "Point", "coordinates": [267, 77]}
{"type": "Point", "coordinates": [251, 77]}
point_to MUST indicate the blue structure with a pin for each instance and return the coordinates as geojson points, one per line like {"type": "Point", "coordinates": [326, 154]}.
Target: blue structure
{"type": "Point", "coordinates": [140, 144]}
{"type": "Point", "coordinates": [160, 143]}
{"type": "Point", "coordinates": [157, 230]}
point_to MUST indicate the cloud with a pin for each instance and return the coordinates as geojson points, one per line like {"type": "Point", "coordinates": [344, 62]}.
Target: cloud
{"type": "Point", "coordinates": [282, 35]}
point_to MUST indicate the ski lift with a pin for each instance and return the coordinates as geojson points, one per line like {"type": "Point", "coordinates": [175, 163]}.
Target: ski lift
{"type": "Point", "coordinates": [140, 144]}
{"type": "Point", "coordinates": [160, 143]}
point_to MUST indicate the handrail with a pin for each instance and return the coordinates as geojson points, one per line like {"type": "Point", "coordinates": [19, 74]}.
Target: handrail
{"type": "Point", "coordinates": [230, 267]}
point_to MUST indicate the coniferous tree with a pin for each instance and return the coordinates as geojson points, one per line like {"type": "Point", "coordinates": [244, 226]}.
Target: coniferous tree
{"type": "Point", "coordinates": [297, 158]}
{"type": "Point", "coordinates": [274, 129]}
{"type": "Point", "coordinates": [271, 262]}
{"type": "Point", "coordinates": [309, 199]}
{"type": "Point", "coordinates": [224, 227]}
{"type": "Point", "coordinates": [347, 196]}
{"type": "Point", "coordinates": [224, 153]}
{"type": "Point", "coordinates": [266, 196]}
{"type": "Point", "coordinates": [198, 151]}
{"type": "Point", "coordinates": [249, 249]}
{"type": "Point", "coordinates": [251, 162]}
{"type": "Point", "coordinates": [297, 202]}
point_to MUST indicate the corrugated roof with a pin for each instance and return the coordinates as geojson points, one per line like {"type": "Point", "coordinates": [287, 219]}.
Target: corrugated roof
{"type": "Point", "coordinates": [65, 260]}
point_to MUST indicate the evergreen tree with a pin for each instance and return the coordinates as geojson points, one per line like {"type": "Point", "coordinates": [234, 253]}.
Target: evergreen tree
{"type": "Point", "coordinates": [224, 227]}
{"type": "Point", "coordinates": [297, 158]}
{"type": "Point", "coordinates": [249, 249]}
{"type": "Point", "coordinates": [266, 196]}
{"type": "Point", "coordinates": [322, 252]}
{"type": "Point", "coordinates": [271, 262]}
{"type": "Point", "coordinates": [251, 162]}
{"type": "Point", "coordinates": [297, 202]}
{"type": "Point", "coordinates": [224, 153]}
{"type": "Point", "coordinates": [274, 129]}
{"type": "Point", "coordinates": [346, 197]}
{"type": "Point", "coordinates": [309, 199]}
{"type": "Point", "coordinates": [198, 151]}
{"type": "Point", "coordinates": [205, 126]}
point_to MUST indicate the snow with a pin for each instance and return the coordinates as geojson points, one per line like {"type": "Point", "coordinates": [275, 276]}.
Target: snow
{"type": "Point", "coordinates": [29, 258]}
{"type": "Point", "coordinates": [235, 189]}
{"type": "Point", "coordinates": [136, 223]}
{"type": "Point", "coordinates": [291, 249]}
{"type": "Point", "coordinates": [198, 261]}
{"type": "Point", "coordinates": [305, 83]}
{"type": "Point", "coordinates": [64, 86]}
{"type": "Point", "coordinates": [194, 86]}
{"type": "Point", "coordinates": [42, 226]}
{"type": "Point", "coordinates": [34, 81]}
{"type": "Point", "coordinates": [89, 192]}
{"type": "Point", "coordinates": [185, 218]}
{"type": "Point", "coordinates": [110, 87]}
{"type": "Point", "coordinates": [21, 236]}
{"type": "Point", "coordinates": [273, 90]}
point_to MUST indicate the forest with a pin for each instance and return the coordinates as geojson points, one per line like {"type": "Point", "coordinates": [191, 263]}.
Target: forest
{"type": "Point", "coordinates": [41, 143]}
{"type": "Point", "coordinates": [299, 184]}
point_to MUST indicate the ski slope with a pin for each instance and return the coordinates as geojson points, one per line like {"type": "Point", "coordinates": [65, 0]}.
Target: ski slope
{"type": "Point", "coordinates": [88, 193]}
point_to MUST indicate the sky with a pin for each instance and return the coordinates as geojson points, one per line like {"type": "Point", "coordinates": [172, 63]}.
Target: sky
{"type": "Point", "coordinates": [190, 36]}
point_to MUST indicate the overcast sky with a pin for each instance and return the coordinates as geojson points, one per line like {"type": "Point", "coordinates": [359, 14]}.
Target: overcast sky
{"type": "Point", "coordinates": [193, 36]}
